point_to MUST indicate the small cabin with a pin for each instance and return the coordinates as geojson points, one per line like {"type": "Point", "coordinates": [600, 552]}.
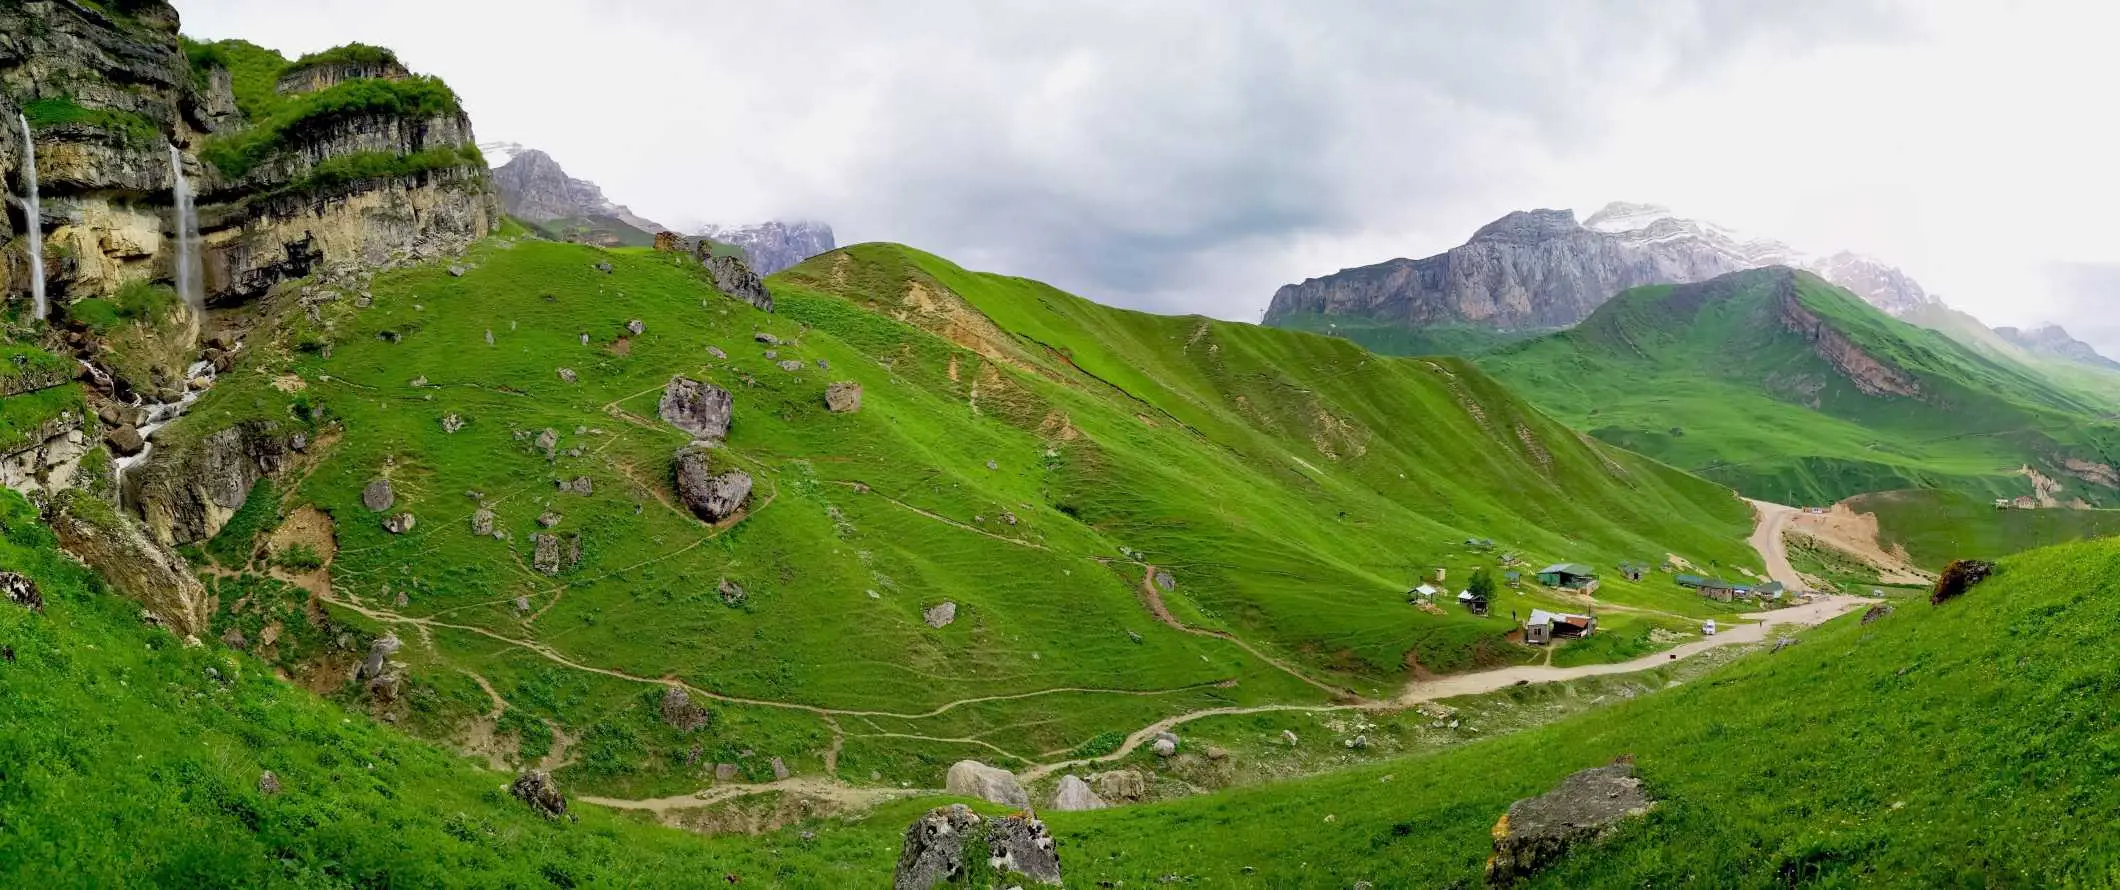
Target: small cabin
{"type": "Point", "coordinates": [1633, 571]}
{"type": "Point", "coordinates": [1712, 588]}
{"type": "Point", "coordinates": [1513, 578]}
{"type": "Point", "coordinates": [1422, 594]}
{"type": "Point", "coordinates": [1472, 602]}
{"type": "Point", "coordinates": [1772, 590]}
{"type": "Point", "coordinates": [1569, 576]}
{"type": "Point", "coordinates": [1479, 543]}
{"type": "Point", "coordinates": [1543, 627]}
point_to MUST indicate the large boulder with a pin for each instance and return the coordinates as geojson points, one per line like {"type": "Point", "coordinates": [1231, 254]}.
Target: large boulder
{"type": "Point", "coordinates": [1075, 794]}
{"type": "Point", "coordinates": [734, 277]}
{"type": "Point", "coordinates": [129, 560]}
{"type": "Point", "coordinates": [843, 397]}
{"type": "Point", "coordinates": [378, 496]}
{"type": "Point", "coordinates": [701, 409]}
{"type": "Point", "coordinates": [947, 845]}
{"type": "Point", "coordinates": [680, 711]}
{"type": "Point", "coordinates": [940, 614]}
{"type": "Point", "coordinates": [970, 778]}
{"type": "Point", "coordinates": [21, 591]}
{"type": "Point", "coordinates": [1538, 831]}
{"type": "Point", "coordinates": [1122, 784]}
{"type": "Point", "coordinates": [711, 497]}
{"type": "Point", "coordinates": [379, 657]}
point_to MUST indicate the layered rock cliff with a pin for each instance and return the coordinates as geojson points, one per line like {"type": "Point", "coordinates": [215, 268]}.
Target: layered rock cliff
{"type": "Point", "coordinates": [1543, 269]}
{"type": "Point", "coordinates": [773, 246]}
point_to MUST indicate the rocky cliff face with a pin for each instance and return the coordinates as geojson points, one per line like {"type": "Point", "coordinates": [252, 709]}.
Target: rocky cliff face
{"type": "Point", "coordinates": [533, 187]}
{"type": "Point", "coordinates": [109, 87]}
{"type": "Point", "coordinates": [1542, 269]}
{"type": "Point", "coordinates": [773, 246]}
{"type": "Point", "coordinates": [2053, 341]}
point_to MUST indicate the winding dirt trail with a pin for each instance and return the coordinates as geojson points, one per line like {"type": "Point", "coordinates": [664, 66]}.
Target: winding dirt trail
{"type": "Point", "coordinates": [847, 796]}
{"type": "Point", "coordinates": [1767, 539]}
{"type": "Point", "coordinates": [1154, 599]}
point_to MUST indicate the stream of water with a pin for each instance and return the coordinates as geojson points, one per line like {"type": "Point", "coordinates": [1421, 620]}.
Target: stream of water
{"type": "Point", "coordinates": [188, 282]}
{"type": "Point", "coordinates": [35, 214]}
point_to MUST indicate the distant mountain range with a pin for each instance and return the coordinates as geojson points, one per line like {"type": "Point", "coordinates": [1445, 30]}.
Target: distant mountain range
{"type": "Point", "coordinates": [1541, 270]}
{"type": "Point", "coordinates": [535, 189]}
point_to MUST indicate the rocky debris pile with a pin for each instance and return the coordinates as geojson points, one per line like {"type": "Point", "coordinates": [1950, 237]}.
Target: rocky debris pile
{"type": "Point", "coordinates": [734, 277]}
{"type": "Point", "coordinates": [970, 778]}
{"type": "Point", "coordinates": [1876, 612]}
{"type": "Point", "coordinates": [680, 711]}
{"type": "Point", "coordinates": [384, 678]}
{"type": "Point", "coordinates": [709, 496]}
{"type": "Point", "coordinates": [552, 554]}
{"type": "Point", "coordinates": [943, 847]}
{"type": "Point", "coordinates": [940, 615]}
{"type": "Point", "coordinates": [1959, 577]}
{"type": "Point", "coordinates": [22, 591]}
{"type": "Point", "coordinates": [843, 397]}
{"type": "Point", "coordinates": [1074, 795]}
{"type": "Point", "coordinates": [1538, 831]}
{"type": "Point", "coordinates": [701, 409]}
{"type": "Point", "coordinates": [378, 496]}
{"type": "Point", "coordinates": [538, 789]}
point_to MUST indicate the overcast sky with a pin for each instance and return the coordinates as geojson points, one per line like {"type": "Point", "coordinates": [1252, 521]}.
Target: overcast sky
{"type": "Point", "coordinates": [1193, 155]}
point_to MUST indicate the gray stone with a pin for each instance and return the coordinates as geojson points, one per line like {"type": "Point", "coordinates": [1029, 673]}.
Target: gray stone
{"type": "Point", "coordinates": [548, 519]}
{"type": "Point", "coordinates": [1074, 795]}
{"type": "Point", "coordinates": [1537, 831]}
{"type": "Point", "coordinates": [537, 788]}
{"type": "Point", "coordinates": [734, 277]}
{"type": "Point", "coordinates": [581, 485]}
{"type": "Point", "coordinates": [567, 375]}
{"type": "Point", "coordinates": [522, 604]}
{"type": "Point", "coordinates": [970, 778]}
{"type": "Point", "coordinates": [268, 783]}
{"type": "Point", "coordinates": [604, 268]}
{"type": "Point", "coordinates": [780, 769]}
{"type": "Point", "coordinates": [482, 522]}
{"type": "Point", "coordinates": [1018, 845]}
{"type": "Point", "coordinates": [790, 365]}
{"type": "Point", "coordinates": [548, 442]}
{"type": "Point", "coordinates": [1165, 747]}
{"type": "Point", "coordinates": [1876, 612]}
{"type": "Point", "coordinates": [398, 523]}
{"type": "Point", "coordinates": [456, 271]}
{"type": "Point", "coordinates": [772, 354]}
{"type": "Point", "coordinates": [545, 553]}
{"type": "Point", "coordinates": [731, 593]}
{"type": "Point", "coordinates": [940, 614]}
{"type": "Point", "coordinates": [636, 327]}
{"type": "Point", "coordinates": [934, 850]}
{"type": "Point", "coordinates": [489, 336]}
{"type": "Point", "coordinates": [767, 339]}
{"type": "Point", "coordinates": [452, 423]}
{"type": "Point", "coordinates": [378, 496]}
{"type": "Point", "coordinates": [378, 656]}
{"type": "Point", "coordinates": [843, 397]}
{"type": "Point", "coordinates": [713, 498]}
{"type": "Point", "coordinates": [701, 409]}
{"type": "Point", "coordinates": [716, 352]}
{"type": "Point", "coordinates": [724, 772]}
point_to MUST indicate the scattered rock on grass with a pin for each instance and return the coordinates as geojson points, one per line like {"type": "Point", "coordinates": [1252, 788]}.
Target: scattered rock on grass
{"type": "Point", "coordinates": [780, 769]}
{"type": "Point", "coordinates": [548, 442]}
{"type": "Point", "coordinates": [268, 784]}
{"type": "Point", "coordinates": [680, 711]}
{"type": "Point", "coordinates": [1537, 831]}
{"type": "Point", "coordinates": [537, 788]}
{"type": "Point", "coordinates": [1121, 784]}
{"type": "Point", "coordinates": [22, 591]}
{"type": "Point", "coordinates": [549, 519]}
{"type": "Point", "coordinates": [398, 523]}
{"type": "Point", "coordinates": [701, 409]}
{"type": "Point", "coordinates": [451, 423]}
{"type": "Point", "coordinates": [378, 496]}
{"type": "Point", "coordinates": [482, 522]}
{"type": "Point", "coordinates": [790, 366]}
{"type": "Point", "coordinates": [732, 594]}
{"type": "Point", "coordinates": [636, 327]}
{"type": "Point", "coordinates": [716, 352]}
{"type": "Point", "coordinates": [940, 615]}
{"type": "Point", "coordinates": [710, 497]}
{"type": "Point", "coordinates": [567, 375]}
{"type": "Point", "coordinates": [767, 339]}
{"type": "Point", "coordinates": [1873, 613]}
{"type": "Point", "coordinates": [843, 397]}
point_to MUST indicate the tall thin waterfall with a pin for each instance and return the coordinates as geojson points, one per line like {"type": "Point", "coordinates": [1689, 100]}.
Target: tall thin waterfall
{"type": "Point", "coordinates": [35, 214]}
{"type": "Point", "coordinates": [188, 283]}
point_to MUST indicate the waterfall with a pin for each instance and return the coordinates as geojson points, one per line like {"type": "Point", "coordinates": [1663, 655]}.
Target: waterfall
{"type": "Point", "coordinates": [188, 283]}
{"type": "Point", "coordinates": [35, 216]}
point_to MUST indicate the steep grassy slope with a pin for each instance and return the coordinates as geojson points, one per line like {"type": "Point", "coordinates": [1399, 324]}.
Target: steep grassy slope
{"type": "Point", "coordinates": [1387, 338]}
{"type": "Point", "coordinates": [1790, 389]}
{"type": "Point", "coordinates": [129, 760]}
{"type": "Point", "coordinates": [1935, 527]}
{"type": "Point", "coordinates": [1952, 746]}
{"type": "Point", "coordinates": [1290, 487]}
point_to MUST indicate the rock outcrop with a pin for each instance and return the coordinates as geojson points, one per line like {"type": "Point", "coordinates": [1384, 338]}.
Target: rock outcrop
{"type": "Point", "coordinates": [773, 246]}
{"type": "Point", "coordinates": [733, 277]}
{"type": "Point", "coordinates": [115, 89]}
{"type": "Point", "coordinates": [130, 561]}
{"type": "Point", "coordinates": [538, 789]}
{"type": "Point", "coordinates": [970, 778]}
{"type": "Point", "coordinates": [948, 844]}
{"type": "Point", "coordinates": [701, 409]}
{"type": "Point", "coordinates": [681, 712]}
{"type": "Point", "coordinates": [1537, 831]}
{"type": "Point", "coordinates": [710, 496]}
{"type": "Point", "coordinates": [1123, 784]}
{"type": "Point", "coordinates": [2054, 341]}
{"type": "Point", "coordinates": [186, 490]}
{"type": "Point", "coordinates": [21, 591]}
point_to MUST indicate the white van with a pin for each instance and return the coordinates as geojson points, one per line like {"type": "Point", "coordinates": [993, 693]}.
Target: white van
{"type": "Point", "coordinates": [1707, 628]}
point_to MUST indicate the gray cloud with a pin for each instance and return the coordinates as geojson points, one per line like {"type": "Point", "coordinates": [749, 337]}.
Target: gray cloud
{"type": "Point", "coordinates": [1178, 156]}
{"type": "Point", "coordinates": [2085, 298]}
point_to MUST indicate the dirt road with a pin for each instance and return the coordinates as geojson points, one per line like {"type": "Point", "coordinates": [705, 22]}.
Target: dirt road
{"type": "Point", "coordinates": [1766, 538]}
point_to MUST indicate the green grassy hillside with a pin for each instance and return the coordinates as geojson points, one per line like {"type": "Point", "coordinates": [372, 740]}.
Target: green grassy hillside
{"type": "Point", "coordinates": [1386, 338]}
{"type": "Point", "coordinates": [1022, 453]}
{"type": "Point", "coordinates": [1935, 527]}
{"type": "Point", "coordinates": [1792, 390]}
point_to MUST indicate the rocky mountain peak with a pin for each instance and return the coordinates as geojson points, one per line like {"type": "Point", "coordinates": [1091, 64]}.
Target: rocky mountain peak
{"type": "Point", "coordinates": [1528, 226]}
{"type": "Point", "coordinates": [1881, 285]}
{"type": "Point", "coordinates": [536, 188]}
{"type": "Point", "coordinates": [1627, 216]}
{"type": "Point", "coordinates": [772, 246]}
{"type": "Point", "coordinates": [2054, 341]}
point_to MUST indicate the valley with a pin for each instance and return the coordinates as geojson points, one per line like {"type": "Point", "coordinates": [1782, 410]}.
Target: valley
{"type": "Point", "coordinates": [384, 507]}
